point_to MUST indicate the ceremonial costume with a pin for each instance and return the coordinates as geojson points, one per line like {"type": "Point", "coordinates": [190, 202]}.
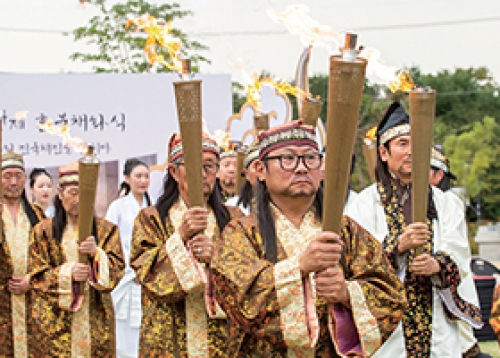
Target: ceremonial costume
{"type": "Point", "coordinates": [14, 244]}
{"type": "Point", "coordinates": [67, 323]}
{"type": "Point", "coordinates": [273, 310]}
{"type": "Point", "coordinates": [176, 288]}
{"type": "Point", "coordinates": [127, 295]}
{"type": "Point", "coordinates": [430, 325]}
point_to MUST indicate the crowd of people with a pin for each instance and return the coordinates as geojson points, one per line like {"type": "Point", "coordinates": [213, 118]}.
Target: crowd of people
{"type": "Point", "coordinates": [248, 274]}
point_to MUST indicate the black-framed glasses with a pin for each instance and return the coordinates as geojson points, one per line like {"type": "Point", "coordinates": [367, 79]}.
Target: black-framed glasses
{"type": "Point", "coordinates": [290, 162]}
{"type": "Point", "coordinates": [208, 168]}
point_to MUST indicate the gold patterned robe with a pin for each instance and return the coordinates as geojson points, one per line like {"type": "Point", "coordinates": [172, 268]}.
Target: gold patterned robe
{"type": "Point", "coordinates": [273, 311]}
{"type": "Point", "coordinates": [175, 322]}
{"type": "Point", "coordinates": [65, 323]}
{"type": "Point", "coordinates": [14, 309]}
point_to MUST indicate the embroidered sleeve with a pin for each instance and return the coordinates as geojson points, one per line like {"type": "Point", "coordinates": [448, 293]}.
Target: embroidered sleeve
{"type": "Point", "coordinates": [99, 277]}
{"type": "Point", "coordinates": [448, 274]}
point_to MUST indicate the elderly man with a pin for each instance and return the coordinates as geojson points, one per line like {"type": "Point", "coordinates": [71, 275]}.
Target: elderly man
{"type": "Point", "coordinates": [171, 246]}
{"type": "Point", "coordinates": [68, 322]}
{"type": "Point", "coordinates": [429, 327]}
{"type": "Point", "coordinates": [290, 289]}
{"type": "Point", "coordinates": [19, 217]}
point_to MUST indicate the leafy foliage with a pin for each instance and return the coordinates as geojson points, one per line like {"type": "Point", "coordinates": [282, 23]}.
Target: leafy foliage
{"type": "Point", "coordinates": [121, 50]}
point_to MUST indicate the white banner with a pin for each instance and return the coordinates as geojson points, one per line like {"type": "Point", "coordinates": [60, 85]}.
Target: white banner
{"type": "Point", "coordinates": [122, 115]}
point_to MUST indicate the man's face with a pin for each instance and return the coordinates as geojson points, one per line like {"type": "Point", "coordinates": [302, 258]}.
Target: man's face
{"type": "Point", "coordinates": [398, 157]}
{"type": "Point", "coordinates": [209, 173]}
{"type": "Point", "coordinates": [69, 198]}
{"type": "Point", "coordinates": [227, 173]}
{"type": "Point", "coordinates": [299, 182]}
{"type": "Point", "coordinates": [13, 180]}
{"type": "Point", "coordinates": [435, 177]}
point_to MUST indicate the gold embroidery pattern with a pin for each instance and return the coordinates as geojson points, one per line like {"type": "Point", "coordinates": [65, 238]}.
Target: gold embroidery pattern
{"type": "Point", "coordinates": [101, 262]}
{"type": "Point", "coordinates": [80, 325]}
{"type": "Point", "coordinates": [17, 237]}
{"type": "Point", "coordinates": [196, 314]}
{"type": "Point", "coordinates": [365, 321]}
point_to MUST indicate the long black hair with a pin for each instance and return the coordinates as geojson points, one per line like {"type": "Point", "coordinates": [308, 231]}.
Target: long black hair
{"type": "Point", "coordinates": [60, 220]}
{"type": "Point", "coordinates": [384, 177]}
{"type": "Point", "coordinates": [266, 220]}
{"type": "Point", "coordinates": [130, 164]}
{"type": "Point", "coordinates": [246, 195]}
{"type": "Point", "coordinates": [35, 173]}
{"type": "Point", "coordinates": [28, 209]}
{"type": "Point", "coordinates": [445, 182]}
{"type": "Point", "coordinates": [171, 194]}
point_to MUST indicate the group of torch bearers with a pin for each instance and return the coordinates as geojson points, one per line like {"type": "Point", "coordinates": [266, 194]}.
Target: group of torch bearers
{"type": "Point", "coordinates": [295, 277]}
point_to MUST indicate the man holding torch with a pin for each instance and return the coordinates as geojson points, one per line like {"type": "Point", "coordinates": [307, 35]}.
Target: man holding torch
{"type": "Point", "coordinates": [18, 219]}
{"type": "Point", "coordinates": [290, 289]}
{"type": "Point", "coordinates": [429, 327]}
{"type": "Point", "coordinates": [172, 244]}
{"type": "Point", "coordinates": [68, 322]}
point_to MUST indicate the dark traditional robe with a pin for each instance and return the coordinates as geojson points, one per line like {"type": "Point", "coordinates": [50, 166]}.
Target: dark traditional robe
{"type": "Point", "coordinates": [175, 290]}
{"type": "Point", "coordinates": [66, 323]}
{"type": "Point", "coordinates": [273, 310]}
{"type": "Point", "coordinates": [15, 309]}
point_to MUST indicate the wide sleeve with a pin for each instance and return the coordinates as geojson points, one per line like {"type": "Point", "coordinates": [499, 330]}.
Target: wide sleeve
{"type": "Point", "coordinates": [162, 263]}
{"type": "Point", "coordinates": [255, 292]}
{"type": "Point", "coordinates": [108, 265]}
{"type": "Point", "coordinates": [50, 276]}
{"type": "Point", "coordinates": [377, 296]}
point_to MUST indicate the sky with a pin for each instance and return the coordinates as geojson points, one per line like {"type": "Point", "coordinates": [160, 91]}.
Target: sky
{"type": "Point", "coordinates": [435, 35]}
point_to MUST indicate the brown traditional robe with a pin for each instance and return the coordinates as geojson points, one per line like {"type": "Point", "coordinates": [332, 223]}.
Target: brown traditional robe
{"type": "Point", "coordinates": [175, 290]}
{"type": "Point", "coordinates": [65, 323]}
{"type": "Point", "coordinates": [274, 312]}
{"type": "Point", "coordinates": [14, 309]}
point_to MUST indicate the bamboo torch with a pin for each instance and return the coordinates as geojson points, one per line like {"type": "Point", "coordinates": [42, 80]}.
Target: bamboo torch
{"type": "Point", "coordinates": [188, 101]}
{"type": "Point", "coordinates": [88, 172]}
{"type": "Point", "coordinates": [422, 113]}
{"type": "Point", "coordinates": [345, 87]}
{"type": "Point", "coordinates": [240, 155]}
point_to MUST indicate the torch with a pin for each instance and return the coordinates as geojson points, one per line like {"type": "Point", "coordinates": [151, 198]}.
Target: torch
{"type": "Point", "coordinates": [188, 100]}
{"type": "Point", "coordinates": [88, 172]}
{"type": "Point", "coordinates": [345, 87]}
{"type": "Point", "coordinates": [422, 113]}
{"type": "Point", "coordinates": [370, 152]}
{"type": "Point", "coordinates": [311, 108]}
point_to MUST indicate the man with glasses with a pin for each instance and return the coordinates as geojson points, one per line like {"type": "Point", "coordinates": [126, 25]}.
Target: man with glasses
{"type": "Point", "coordinates": [18, 218]}
{"type": "Point", "coordinates": [172, 245]}
{"type": "Point", "coordinates": [290, 289]}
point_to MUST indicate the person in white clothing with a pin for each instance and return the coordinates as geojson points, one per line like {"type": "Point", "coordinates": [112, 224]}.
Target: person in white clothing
{"type": "Point", "coordinates": [429, 327]}
{"type": "Point", "coordinates": [127, 295]}
{"type": "Point", "coordinates": [440, 176]}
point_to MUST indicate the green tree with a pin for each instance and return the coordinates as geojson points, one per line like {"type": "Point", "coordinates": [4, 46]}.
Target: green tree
{"type": "Point", "coordinates": [121, 50]}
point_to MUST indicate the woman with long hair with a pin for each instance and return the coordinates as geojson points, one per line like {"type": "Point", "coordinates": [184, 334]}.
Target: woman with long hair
{"type": "Point", "coordinates": [41, 190]}
{"type": "Point", "coordinates": [127, 295]}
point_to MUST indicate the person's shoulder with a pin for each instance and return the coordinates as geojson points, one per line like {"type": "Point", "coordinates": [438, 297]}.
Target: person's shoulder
{"type": "Point", "coordinates": [244, 223]}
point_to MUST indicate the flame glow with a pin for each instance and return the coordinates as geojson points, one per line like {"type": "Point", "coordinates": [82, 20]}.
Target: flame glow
{"type": "Point", "coordinates": [159, 36]}
{"type": "Point", "coordinates": [378, 72]}
{"type": "Point", "coordinates": [21, 115]}
{"type": "Point", "coordinates": [63, 132]}
{"type": "Point", "coordinates": [298, 22]}
{"type": "Point", "coordinates": [371, 136]}
{"type": "Point", "coordinates": [254, 84]}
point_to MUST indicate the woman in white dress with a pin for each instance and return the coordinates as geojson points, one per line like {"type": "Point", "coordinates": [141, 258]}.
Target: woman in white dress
{"type": "Point", "coordinates": [127, 295]}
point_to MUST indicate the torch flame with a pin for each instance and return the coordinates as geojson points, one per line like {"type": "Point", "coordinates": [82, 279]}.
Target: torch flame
{"type": "Point", "coordinates": [297, 21]}
{"type": "Point", "coordinates": [21, 115]}
{"type": "Point", "coordinates": [159, 35]}
{"type": "Point", "coordinates": [380, 73]}
{"type": "Point", "coordinates": [63, 132]}
{"type": "Point", "coordinates": [371, 136]}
